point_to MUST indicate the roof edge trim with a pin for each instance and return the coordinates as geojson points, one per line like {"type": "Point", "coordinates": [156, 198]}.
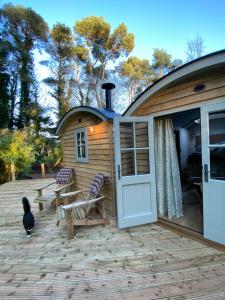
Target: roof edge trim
{"type": "Point", "coordinates": [77, 109]}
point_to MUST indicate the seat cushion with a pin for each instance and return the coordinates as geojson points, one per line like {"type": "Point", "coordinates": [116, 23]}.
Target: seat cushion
{"type": "Point", "coordinates": [64, 176]}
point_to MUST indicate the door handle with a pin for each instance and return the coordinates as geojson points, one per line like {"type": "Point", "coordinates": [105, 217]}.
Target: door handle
{"type": "Point", "coordinates": [206, 173]}
{"type": "Point", "coordinates": [118, 172]}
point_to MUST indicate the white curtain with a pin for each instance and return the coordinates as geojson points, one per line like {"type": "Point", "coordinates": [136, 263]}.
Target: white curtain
{"type": "Point", "coordinates": [168, 185]}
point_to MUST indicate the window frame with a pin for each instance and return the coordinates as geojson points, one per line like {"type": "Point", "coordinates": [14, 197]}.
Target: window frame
{"type": "Point", "coordinates": [76, 132]}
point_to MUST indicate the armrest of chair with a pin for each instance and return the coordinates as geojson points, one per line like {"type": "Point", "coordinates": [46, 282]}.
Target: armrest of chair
{"type": "Point", "coordinates": [70, 194]}
{"type": "Point", "coordinates": [62, 187]}
{"type": "Point", "coordinates": [44, 186]}
{"type": "Point", "coordinates": [82, 203]}
{"type": "Point", "coordinates": [64, 198]}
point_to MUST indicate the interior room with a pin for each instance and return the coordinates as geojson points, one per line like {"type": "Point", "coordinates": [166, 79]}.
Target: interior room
{"type": "Point", "coordinates": [187, 133]}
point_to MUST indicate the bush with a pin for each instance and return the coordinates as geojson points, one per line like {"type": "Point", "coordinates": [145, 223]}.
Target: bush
{"type": "Point", "coordinates": [16, 149]}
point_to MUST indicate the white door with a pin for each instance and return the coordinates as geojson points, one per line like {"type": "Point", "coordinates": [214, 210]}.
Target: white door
{"type": "Point", "coordinates": [213, 161]}
{"type": "Point", "coordinates": [135, 171]}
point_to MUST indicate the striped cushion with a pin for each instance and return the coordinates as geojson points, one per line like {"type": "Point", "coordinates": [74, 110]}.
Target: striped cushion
{"type": "Point", "coordinates": [97, 184]}
{"type": "Point", "coordinates": [64, 176]}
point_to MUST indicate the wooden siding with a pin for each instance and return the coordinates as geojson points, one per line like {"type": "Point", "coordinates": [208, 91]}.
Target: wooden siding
{"type": "Point", "coordinates": [100, 156]}
{"type": "Point", "coordinates": [182, 94]}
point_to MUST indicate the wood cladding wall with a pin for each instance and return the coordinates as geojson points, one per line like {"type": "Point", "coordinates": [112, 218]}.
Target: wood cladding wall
{"type": "Point", "coordinates": [100, 153]}
{"type": "Point", "coordinates": [182, 94]}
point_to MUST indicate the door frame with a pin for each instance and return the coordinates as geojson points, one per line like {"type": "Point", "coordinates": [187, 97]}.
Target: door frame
{"type": "Point", "coordinates": [180, 109]}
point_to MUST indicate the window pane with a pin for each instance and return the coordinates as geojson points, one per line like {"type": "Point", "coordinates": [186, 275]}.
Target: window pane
{"type": "Point", "coordinates": [217, 163]}
{"type": "Point", "coordinates": [78, 139]}
{"type": "Point", "coordinates": [82, 138]}
{"type": "Point", "coordinates": [217, 127]}
{"type": "Point", "coordinates": [78, 152]}
{"type": "Point", "coordinates": [83, 155]}
{"type": "Point", "coordinates": [141, 135]}
{"type": "Point", "coordinates": [142, 158]}
{"type": "Point", "coordinates": [126, 135]}
{"type": "Point", "coordinates": [127, 161]}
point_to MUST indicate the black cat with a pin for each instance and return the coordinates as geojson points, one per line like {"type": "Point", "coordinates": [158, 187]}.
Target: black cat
{"type": "Point", "coordinates": [28, 218]}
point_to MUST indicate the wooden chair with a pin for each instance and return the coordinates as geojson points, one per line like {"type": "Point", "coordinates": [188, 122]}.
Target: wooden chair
{"type": "Point", "coordinates": [77, 213]}
{"type": "Point", "coordinates": [63, 182]}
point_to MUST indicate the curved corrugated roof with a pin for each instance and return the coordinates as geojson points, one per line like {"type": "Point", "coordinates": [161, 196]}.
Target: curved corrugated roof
{"type": "Point", "coordinates": [102, 113]}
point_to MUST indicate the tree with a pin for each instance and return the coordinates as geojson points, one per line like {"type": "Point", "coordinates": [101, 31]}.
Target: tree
{"type": "Point", "coordinates": [195, 48]}
{"type": "Point", "coordinates": [9, 65]}
{"type": "Point", "coordinates": [4, 100]}
{"type": "Point", "coordinates": [138, 74]}
{"type": "Point", "coordinates": [25, 30]}
{"type": "Point", "coordinates": [40, 130]}
{"type": "Point", "coordinates": [5, 48]}
{"type": "Point", "coordinates": [61, 53]}
{"type": "Point", "coordinates": [177, 62]}
{"type": "Point", "coordinates": [162, 61]}
{"type": "Point", "coordinates": [16, 151]}
{"type": "Point", "coordinates": [96, 53]}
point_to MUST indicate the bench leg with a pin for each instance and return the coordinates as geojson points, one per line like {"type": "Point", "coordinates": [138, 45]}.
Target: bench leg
{"type": "Point", "coordinates": [40, 206]}
{"type": "Point", "coordinates": [69, 222]}
{"type": "Point", "coordinates": [103, 209]}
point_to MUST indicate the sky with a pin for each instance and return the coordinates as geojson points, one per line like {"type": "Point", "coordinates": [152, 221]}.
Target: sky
{"type": "Point", "coordinates": [167, 24]}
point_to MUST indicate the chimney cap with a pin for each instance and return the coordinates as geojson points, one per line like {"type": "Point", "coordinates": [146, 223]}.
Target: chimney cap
{"type": "Point", "coordinates": [108, 86]}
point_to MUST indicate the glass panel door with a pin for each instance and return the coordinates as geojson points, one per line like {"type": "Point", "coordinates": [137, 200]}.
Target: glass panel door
{"type": "Point", "coordinates": [135, 182]}
{"type": "Point", "coordinates": [213, 159]}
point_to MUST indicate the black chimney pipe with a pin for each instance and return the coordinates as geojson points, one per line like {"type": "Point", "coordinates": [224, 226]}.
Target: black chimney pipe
{"type": "Point", "coordinates": [108, 87]}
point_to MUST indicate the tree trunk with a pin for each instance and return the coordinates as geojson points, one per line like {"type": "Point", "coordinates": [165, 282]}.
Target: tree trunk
{"type": "Point", "coordinates": [42, 170]}
{"type": "Point", "coordinates": [4, 100]}
{"type": "Point", "coordinates": [25, 100]}
{"type": "Point", "coordinates": [13, 173]}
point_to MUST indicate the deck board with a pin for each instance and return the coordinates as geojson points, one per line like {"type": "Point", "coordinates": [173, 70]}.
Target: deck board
{"type": "Point", "coordinates": [102, 262]}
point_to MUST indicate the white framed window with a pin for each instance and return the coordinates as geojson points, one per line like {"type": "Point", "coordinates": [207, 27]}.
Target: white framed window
{"type": "Point", "coordinates": [81, 145]}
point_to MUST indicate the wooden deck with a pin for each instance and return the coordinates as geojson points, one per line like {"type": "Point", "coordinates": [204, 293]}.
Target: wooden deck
{"type": "Point", "coordinates": [146, 262]}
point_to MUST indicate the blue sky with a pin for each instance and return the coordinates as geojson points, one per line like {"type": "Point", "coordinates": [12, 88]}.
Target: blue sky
{"type": "Point", "coordinates": [165, 24]}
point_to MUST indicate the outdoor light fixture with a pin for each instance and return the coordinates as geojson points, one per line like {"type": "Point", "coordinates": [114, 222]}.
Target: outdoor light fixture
{"type": "Point", "coordinates": [199, 88]}
{"type": "Point", "coordinates": [91, 129]}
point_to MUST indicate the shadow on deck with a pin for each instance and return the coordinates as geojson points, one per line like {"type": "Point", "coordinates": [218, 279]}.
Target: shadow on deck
{"type": "Point", "coordinates": [145, 262]}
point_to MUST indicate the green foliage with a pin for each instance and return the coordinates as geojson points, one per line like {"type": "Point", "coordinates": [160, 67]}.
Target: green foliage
{"type": "Point", "coordinates": [40, 121]}
{"type": "Point", "coordinates": [61, 50]}
{"type": "Point", "coordinates": [97, 50]}
{"type": "Point", "coordinates": [162, 61]}
{"type": "Point", "coordinates": [138, 73]}
{"type": "Point", "coordinates": [136, 68]}
{"type": "Point", "coordinates": [80, 53]}
{"type": "Point", "coordinates": [94, 33]}
{"type": "Point", "coordinates": [53, 158]}
{"type": "Point", "coordinates": [15, 148]}
{"type": "Point", "coordinates": [62, 35]}
{"type": "Point", "coordinates": [24, 30]}
{"type": "Point", "coordinates": [94, 30]}
{"type": "Point", "coordinates": [26, 26]}
{"type": "Point", "coordinates": [4, 101]}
